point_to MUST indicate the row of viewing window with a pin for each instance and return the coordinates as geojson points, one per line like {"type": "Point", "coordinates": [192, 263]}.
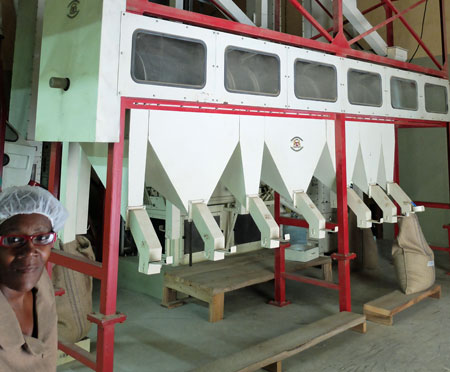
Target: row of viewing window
{"type": "Point", "coordinates": [179, 62]}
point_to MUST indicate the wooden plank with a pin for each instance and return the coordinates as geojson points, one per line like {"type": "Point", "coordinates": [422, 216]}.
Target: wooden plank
{"type": "Point", "coordinates": [169, 299]}
{"type": "Point", "coordinates": [397, 301]}
{"type": "Point", "coordinates": [275, 367]}
{"type": "Point", "coordinates": [378, 318]}
{"type": "Point", "coordinates": [229, 261]}
{"type": "Point", "coordinates": [191, 290]}
{"type": "Point", "coordinates": [327, 272]}
{"type": "Point", "coordinates": [286, 345]}
{"type": "Point", "coordinates": [216, 308]}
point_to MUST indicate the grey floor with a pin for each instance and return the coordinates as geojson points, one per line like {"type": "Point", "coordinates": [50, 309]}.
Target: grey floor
{"type": "Point", "coordinates": [157, 339]}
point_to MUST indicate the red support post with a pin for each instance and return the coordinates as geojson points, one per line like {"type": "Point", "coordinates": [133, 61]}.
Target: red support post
{"type": "Point", "coordinates": [54, 177]}
{"type": "Point", "coordinates": [279, 265]}
{"type": "Point", "coordinates": [396, 173]}
{"type": "Point", "coordinates": [110, 262]}
{"type": "Point", "coordinates": [389, 27]}
{"type": "Point", "coordinates": [343, 255]}
{"type": "Point", "coordinates": [338, 29]}
{"type": "Point", "coordinates": [443, 37]}
{"type": "Point", "coordinates": [311, 20]}
{"type": "Point", "coordinates": [277, 15]}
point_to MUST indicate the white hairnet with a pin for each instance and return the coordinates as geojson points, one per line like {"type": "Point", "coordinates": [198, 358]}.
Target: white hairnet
{"type": "Point", "coordinates": [32, 199]}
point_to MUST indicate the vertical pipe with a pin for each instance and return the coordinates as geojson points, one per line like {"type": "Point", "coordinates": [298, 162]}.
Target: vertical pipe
{"type": "Point", "coordinates": [389, 27]}
{"type": "Point", "coordinates": [111, 228]}
{"type": "Point", "coordinates": [396, 173]}
{"type": "Point", "coordinates": [443, 37]}
{"type": "Point", "coordinates": [342, 215]}
{"type": "Point", "coordinates": [54, 176]}
{"type": "Point", "coordinates": [279, 264]}
{"type": "Point", "coordinates": [277, 15]}
{"type": "Point", "coordinates": [338, 18]}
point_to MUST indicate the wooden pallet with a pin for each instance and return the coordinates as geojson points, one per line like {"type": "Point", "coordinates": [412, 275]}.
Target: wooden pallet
{"type": "Point", "coordinates": [269, 354]}
{"type": "Point", "coordinates": [383, 309]}
{"type": "Point", "coordinates": [209, 281]}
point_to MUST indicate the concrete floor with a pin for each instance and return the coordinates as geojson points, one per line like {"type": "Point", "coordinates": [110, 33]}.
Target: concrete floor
{"type": "Point", "coordinates": [157, 339]}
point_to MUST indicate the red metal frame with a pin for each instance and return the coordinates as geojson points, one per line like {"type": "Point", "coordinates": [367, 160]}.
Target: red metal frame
{"type": "Point", "coordinates": [339, 45]}
{"type": "Point", "coordinates": [106, 271]}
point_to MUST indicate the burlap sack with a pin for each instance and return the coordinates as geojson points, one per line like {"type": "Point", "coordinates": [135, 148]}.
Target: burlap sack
{"type": "Point", "coordinates": [413, 258]}
{"type": "Point", "coordinates": [76, 303]}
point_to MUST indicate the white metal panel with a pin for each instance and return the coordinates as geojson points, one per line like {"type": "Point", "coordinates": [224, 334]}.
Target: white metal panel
{"type": "Point", "coordinates": [295, 166]}
{"type": "Point", "coordinates": [370, 141]}
{"type": "Point", "coordinates": [351, 148]}
{"type": "Point", "coordinates": [84, 184]}
{"type": "Point", "coordinates": [243, 173]}
{"type": "Point", "coordinates": [108, 102]}
{"type": "Point", "coordinates": [129, 88]}
{"type": "Point", "coordinates": [251, 140]}
{"type": "Point", "coordinates": [222, 95]}
{"type": "Point", "coordinates": [423, 79]}
{"type": "Point", "coordinates": [410, 114]}
{"type": "Point", "coordinates": [138, 139]}
{"type": "Point", "coordinates": [314, 105]}
{"type": "Point", "coordinates": [388, 152]}
{"type": "Point", "coordinates": [346, 106]}
{"type": "Point", "coordinates": [192, 150]}
{"type": "Point", "coordinates": [326, 167]}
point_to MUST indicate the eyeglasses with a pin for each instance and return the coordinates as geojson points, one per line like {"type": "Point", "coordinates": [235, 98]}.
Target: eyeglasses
{"type": "Point", "coordinates": [16, 241]}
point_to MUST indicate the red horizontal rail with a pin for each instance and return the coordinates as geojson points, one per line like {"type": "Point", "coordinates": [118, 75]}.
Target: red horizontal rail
{"type": "Point", "coordinates": [165, 12]}
{"type": "Point", "coordinates": [220, 108]}
{"type": "Point", "coordinates": [433, 205]}
{"type": "Point", "coordinates": [307, 280]}
{"type": "Point", "coordinates": [77, 263]}
{"type": "Point", "coordinates": [79, 354]}
{"type": "Point", "coordinates": [301, 223]}
{"type": "Point", "coordinates": [436, 248]}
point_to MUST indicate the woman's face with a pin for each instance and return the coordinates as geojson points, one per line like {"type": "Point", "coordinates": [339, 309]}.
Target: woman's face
{"type": "Point", "coordinates": [21, 268]}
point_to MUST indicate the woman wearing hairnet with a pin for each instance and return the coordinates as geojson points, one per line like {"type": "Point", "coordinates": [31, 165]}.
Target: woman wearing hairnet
{"type": "Point", "coordinates": [29, 219]}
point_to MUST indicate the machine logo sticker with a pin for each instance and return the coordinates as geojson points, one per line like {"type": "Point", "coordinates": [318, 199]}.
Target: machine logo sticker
{"type": "Point", "coordinates": [73, 8]}
{"type": "Point", "coordinates": [296, 144]}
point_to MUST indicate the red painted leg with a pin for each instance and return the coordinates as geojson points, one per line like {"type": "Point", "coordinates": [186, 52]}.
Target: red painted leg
{"type": "Point", "coordinates": [343, 255]}
{"type": "Point", "coordinates": [111, 229]}
{"type": "Point", "coordinates": [279, 264]}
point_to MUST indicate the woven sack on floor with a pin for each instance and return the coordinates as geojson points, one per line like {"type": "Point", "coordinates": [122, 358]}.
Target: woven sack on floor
{"type": "Point", "coordinates": [76, 303]}
{"type": "Point", "coordinates": [413, 257]}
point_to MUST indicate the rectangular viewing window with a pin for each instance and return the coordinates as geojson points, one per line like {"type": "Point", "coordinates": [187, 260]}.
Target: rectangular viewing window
{"type": "Point", "coordinates": [436, 99]}
{"type": "Point", "coordinates": [167, 60]}
{"type": "Point", "coordinates": [315, 81]}
{"type": "Point", "coordinates": [252, 72]}
{"type": "Point", "coordinates": [364, 88]}
{"type": "Point", "coordinates": [404, 94]}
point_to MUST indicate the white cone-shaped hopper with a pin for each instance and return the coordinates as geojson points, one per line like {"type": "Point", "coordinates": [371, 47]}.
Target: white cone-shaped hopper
{"type": "Point", "coordinates": [292, 152]}
{"type": "Point", "coordinates": [293, 148]}
{"type": "Point", "coordinates": [186, 157]}
{"type": "Point", "coordinates": [188, 153]}
{"type": "Point", "coordinates": [243, 174]}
